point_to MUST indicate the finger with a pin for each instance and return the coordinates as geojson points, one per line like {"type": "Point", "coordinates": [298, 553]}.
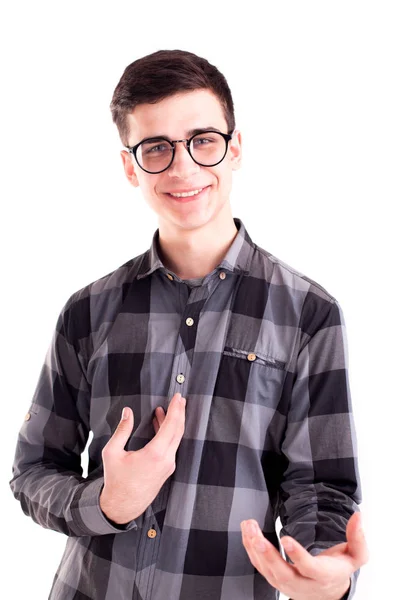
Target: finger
{"type": "Point", "coordinates": [337, 550]}
{"type": "Point", "coordinates": [160, 415]}
{"type": "Point", "coordinates": [268, 561]}
{"type": "Point", "coordinates": [304, 562]}
{"type": "Point", "coordinates": [356, 542]}
{"type": "Point", "coordinates": [158, 418]}
{"type": "Point", "coordinates": [122, 432]}
{"type": "Point", "coordinates": [171, 432]}
{"type": "Point", "coordinates": [249, 531]}
{"type": "Point", "coordinates": [265, 553]}
{"type": "Point", "coordinates": [156, 425]}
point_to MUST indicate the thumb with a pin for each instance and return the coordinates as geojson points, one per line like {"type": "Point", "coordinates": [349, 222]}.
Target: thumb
{"type": "Point", "coordinates": [356, 543]}
{"type": "Point", "coordinates": [123, 430]}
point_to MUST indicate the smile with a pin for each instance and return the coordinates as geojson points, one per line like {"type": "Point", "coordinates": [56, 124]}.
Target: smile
{"type": "Point", "coordinates": [186, 194]}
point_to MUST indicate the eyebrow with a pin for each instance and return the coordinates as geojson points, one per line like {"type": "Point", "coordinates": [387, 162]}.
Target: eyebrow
{"type": "Point", "coordinates": [189, 133]}
{"type": "Point", "coordinates": [200, 130]}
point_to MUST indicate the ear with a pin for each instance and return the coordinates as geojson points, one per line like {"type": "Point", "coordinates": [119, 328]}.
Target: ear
{"type": "Point", "coordinates": [129, 167]}
{"type": "Point", "coordinates": [235, 150]}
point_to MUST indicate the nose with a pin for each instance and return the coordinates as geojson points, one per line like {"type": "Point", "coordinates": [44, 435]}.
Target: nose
{"type": "Point", "coordinates": [183, 166]}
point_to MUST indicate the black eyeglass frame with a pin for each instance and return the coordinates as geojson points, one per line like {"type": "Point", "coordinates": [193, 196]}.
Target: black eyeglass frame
{"type": "Point", "coordinates": [227, 137]}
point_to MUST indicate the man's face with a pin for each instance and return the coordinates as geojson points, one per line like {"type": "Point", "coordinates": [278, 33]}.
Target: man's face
{"type": "Point", "coordinates": [173, 118]}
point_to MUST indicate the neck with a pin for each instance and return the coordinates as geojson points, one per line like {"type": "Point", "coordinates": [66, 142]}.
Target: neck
{"type": "Point", "coordinates": [192, 253]}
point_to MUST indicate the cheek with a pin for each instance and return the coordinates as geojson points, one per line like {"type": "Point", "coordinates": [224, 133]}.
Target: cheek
{"type": "Point", "coordinates": [225, 175]}
{"type": "Point", "coordinates": [225, 181]}
{"type": "Point", "coordinates": [149, 187]}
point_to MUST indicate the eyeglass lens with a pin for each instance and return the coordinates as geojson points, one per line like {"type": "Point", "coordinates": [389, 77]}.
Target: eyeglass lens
{"type": "Point", "coordinates": [206, 149]}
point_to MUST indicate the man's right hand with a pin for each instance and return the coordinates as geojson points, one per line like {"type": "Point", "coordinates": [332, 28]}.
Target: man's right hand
{"type": "Point", "coordinates": [133, 479]}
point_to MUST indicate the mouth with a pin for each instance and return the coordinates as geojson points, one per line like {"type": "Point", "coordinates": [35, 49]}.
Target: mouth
{"type": "Point", "coordinates": [188, 196]}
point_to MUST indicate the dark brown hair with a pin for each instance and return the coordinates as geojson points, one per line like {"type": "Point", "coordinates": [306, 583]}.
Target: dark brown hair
{"type": "Point", "coordinates": [164, 73]}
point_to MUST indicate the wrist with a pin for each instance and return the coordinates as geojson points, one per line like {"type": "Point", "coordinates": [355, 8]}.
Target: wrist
{"type": "Point", "coordinates": [111, 509]}
{"type": "Point", "coordinates": [107, 508]}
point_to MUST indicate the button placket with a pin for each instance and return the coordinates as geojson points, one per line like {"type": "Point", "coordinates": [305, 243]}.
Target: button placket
{"type": "Point", "coordinates": [192, 307]}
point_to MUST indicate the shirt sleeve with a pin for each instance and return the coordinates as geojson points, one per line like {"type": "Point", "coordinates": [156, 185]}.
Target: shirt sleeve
{"type": "Point", "coordinates": [47, 474]}
{"type": "Point", "coordinates": [320, 489]}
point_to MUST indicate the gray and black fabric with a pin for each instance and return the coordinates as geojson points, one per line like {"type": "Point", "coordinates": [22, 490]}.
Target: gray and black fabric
{"type": "Point", "coordinates": [259, 350]}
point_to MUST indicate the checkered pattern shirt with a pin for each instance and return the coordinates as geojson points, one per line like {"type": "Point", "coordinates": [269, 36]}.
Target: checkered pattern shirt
{"type": "Point", "coordinates": [260, 353]}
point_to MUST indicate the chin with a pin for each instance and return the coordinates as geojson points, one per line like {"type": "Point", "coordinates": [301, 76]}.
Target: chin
{"type": "Point", "coordinates": [192, 223]}
{"type": "Point", "coordinates": [190, 216]}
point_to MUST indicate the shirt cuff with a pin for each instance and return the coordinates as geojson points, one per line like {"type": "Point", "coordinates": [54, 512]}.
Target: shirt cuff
{"type": "Point", "coordinates": [87, 516]}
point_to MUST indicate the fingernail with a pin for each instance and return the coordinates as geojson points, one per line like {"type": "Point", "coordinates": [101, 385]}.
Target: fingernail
{"type": "Point", "coordinates": [251, 529]}
{"type": "Point", "coordinates": [124, 414]}
{"type": "Point", "coordinates": [288, 545]}
{"type": "Point", "coordinates": [183, 400]}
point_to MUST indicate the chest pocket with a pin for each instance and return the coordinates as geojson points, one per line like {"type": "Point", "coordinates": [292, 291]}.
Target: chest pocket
{"type": "Point", "coordinates": [252, 357]}
{"type": "Point", "coordinates": [248, 376]}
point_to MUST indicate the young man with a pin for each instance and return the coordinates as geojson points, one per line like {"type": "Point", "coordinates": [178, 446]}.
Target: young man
{"type": "Point", "coordinates": [230, 370]}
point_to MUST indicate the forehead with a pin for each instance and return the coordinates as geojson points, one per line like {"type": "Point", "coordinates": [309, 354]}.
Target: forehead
{"type": "Point", "coordinates": [176, 115]}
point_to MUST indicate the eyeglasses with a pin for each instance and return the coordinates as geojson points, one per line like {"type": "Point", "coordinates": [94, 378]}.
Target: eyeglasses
{"type": "Point", "coordinates": [155, 155]}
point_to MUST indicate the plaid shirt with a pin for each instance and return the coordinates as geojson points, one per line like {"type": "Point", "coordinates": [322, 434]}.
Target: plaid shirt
{"type": "Point", "coordinates": [260, 352]}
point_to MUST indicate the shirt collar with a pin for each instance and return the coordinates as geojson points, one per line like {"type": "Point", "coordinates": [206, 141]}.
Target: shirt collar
{"type": "Point", "coordinates": [237, 259]}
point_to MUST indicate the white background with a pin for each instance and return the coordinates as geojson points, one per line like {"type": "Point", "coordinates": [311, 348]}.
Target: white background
{"type": "Point", "coordinates": [316, 91]}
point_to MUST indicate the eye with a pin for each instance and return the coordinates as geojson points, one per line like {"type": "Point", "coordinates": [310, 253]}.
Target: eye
{"type": "Point", "coordinates": [157, 148]}
{"type": "Point", "coordinates": [200, 141]}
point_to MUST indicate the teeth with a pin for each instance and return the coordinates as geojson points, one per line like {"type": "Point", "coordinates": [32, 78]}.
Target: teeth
{"type": "Point", "coordinates": [186, 194]}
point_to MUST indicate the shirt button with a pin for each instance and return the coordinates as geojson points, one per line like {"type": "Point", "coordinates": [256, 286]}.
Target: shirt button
{"type": "Point", "coordinates": [222, 275]}
{"type": "Point", "coordinates": [170, 276]}
{"type": "Point", "coordinates": [27, 416]}
{"type": "Point", "coordinates": [189, 321]}
{"type": "Point", "coordinates": [180, 378]}
{"type": "Point", "coordinates": [251, 357]}
{"type": "Point", "coordinates": [151, 533]}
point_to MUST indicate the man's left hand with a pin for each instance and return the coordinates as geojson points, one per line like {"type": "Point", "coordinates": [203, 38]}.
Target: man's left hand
{"type": "Point", "coordinates": [322, 577]}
